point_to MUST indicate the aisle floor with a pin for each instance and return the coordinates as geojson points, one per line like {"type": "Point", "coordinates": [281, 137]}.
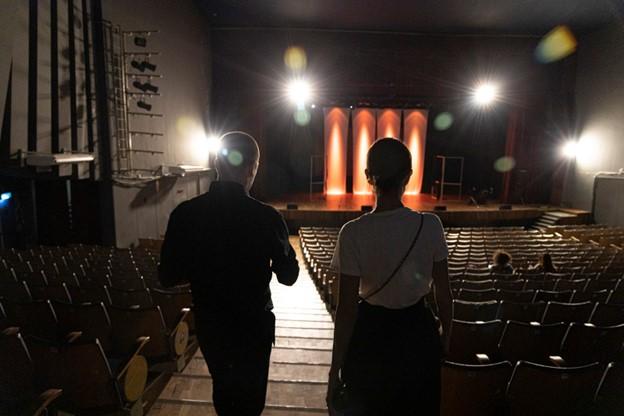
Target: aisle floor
{"type": "Point", "coordinates": [299, 361]}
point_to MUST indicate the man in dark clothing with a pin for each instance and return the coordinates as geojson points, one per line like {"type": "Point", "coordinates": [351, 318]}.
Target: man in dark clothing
{"type": "Point", "coordinates": [227, 245]}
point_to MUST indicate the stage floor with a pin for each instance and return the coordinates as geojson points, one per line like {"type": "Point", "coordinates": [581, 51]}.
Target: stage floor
{"type": "Point", "coordinates": [350, 202]}
{"type": "Point", "coordinates": [335, 210]}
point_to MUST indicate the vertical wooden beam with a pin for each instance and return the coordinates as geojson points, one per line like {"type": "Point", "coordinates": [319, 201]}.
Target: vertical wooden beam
{"type": "Point", "coordinates": [32, 74]}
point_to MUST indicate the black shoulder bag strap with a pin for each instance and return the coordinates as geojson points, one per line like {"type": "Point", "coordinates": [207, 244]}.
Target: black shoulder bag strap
{"type": "Point", "coordinates": [389, 279]}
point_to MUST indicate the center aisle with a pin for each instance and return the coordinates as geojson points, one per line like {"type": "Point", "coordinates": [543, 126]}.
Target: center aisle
{"type": "Point", "coordinates": [299, 361]}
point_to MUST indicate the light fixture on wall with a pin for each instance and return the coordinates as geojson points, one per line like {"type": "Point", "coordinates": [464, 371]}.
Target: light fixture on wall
{"type": "Point", "coordinates": [143, 65]}
{"type": "Point", "coordinates": [485, 94]}
{"type": "Point", "coordinates": [299, 91]}
{"type": "Point", "coordinates": [145, 86]}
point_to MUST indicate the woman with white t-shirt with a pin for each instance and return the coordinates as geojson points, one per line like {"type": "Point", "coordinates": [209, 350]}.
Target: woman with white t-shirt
{"type": "Point", "coordinates": [387, 347]}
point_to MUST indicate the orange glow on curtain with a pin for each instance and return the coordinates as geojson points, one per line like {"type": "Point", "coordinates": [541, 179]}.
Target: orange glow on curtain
{"type": "Point", "coordinates": [415, 130]}
{"type": "Point", "coordinates": [388, 123]}
{"type": "Point", "coordinates": [363, 138]}
{"type": "Point", "coordinates": [336, 130]}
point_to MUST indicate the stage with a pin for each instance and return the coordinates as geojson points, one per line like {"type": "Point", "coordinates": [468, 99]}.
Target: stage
{"type": "Point", "coordinates": [334, 210]}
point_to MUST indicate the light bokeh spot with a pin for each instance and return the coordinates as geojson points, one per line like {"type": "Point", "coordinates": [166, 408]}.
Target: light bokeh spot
{"type": "Point", "coordinates": [235, 158]}
{"type": "Point", "coordinates": [302, 117]}
{"type": "Point", "coordinates": [504, 164]}
{"type": "Point", "coordinates": [443, 121]}
{"type": "Point", "coordinates": [556, 45]}
{"type": "Point", "coordinates": [295, 58]}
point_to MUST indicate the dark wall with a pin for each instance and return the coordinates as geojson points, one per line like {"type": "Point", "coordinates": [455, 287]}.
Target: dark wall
{"type": "Point", "coordinates": [393, 70]}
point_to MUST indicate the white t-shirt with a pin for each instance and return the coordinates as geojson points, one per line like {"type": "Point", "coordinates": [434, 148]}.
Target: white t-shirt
{"type": "Point", "coordinates": [372, 246]}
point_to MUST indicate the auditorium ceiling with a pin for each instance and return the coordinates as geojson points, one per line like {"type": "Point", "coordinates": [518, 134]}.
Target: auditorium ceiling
{"type": "Point", "coordinates": [526, 17]}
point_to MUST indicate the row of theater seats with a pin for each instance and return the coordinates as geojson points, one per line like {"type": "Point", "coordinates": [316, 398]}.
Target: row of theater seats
{"type": "Point", "coordinates": [93, 322]}
{"type": "Point", "coordinates": [598, 233]}
{"type": "Point", "coordinates": [522, 343]}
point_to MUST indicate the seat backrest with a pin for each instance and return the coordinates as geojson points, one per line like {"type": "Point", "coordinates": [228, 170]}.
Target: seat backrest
{"type": "Point", "coordinates": [171, 303]}
{"type": "Point", "coordinates": [474, 311]}
{"type": "Point", "coordinates": [477, 295]}
{"type": "Point", "coordinates": [567, 312]}
{"type": "Point", "coordinates": [566, 284]}
{"type": "Point", "coordinates": [586, 343]}
{"type": "Point", "coordinates": [607, 315]}
{"type": "Point", "coordinates": [521, 312]}
{"type": "Point", "coordinates": [595, 296]}
{"type": "Point", "coordinates": [16, 292]}
{"type": "Point", "coordinates": [543, 284]}
{"type": "Point", "coordinates": [51, 292]}
{"type": "Point", "coordinates": [531, 341]}
{"type": "Point", "coordinates": [553, 296]}
{"type": "Point", "coordinates": [517, 296]}
{"type": "Point", "coordinates": [88, 294]}
{"type": "Point", "coordinates": [129, 298]}
{"type": "Point", "coordinates": [37, 318]}
{"type": "Point", "coordinates": [131, 323]}
{"type": "Point", "coordinates": [84, 374]}
{"type": "Point", "coordinates": [517, 284]}
{"type": "Point", "coordinates": [539, 390]}
{"type": "Point", "coordinates": [609, 398]}
{"type": "Point", "coordinates": [89, 318]}
{"type": "Point", "coordinates": [474, 390]}
{"type": "Point", "coordinates": [16, 368]}
{"type": "Point", "coordinates": [471, 338]}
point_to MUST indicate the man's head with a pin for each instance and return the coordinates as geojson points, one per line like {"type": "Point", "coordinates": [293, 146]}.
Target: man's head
{"type": "Point", "coordinates": [388, 166]}
{"type": "Point", "coordinates": [237, 161]}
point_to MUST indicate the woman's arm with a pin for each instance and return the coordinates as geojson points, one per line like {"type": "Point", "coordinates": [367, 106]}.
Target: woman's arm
{"type": "Point", "coordinates": [346, 314]}
{"type": "Point", "coordinates": [444, 299]}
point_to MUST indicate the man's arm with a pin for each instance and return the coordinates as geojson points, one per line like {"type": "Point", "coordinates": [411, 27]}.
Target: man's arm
{"type": "Point", "coordinates": [173, 254]}
{"type": "Point", "coordinates": [283, 259]}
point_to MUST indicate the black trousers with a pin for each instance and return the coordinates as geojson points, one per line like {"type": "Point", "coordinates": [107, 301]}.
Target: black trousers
{"type": "Point", "coordinates": [392, 366]}
{"type": "Point", "coordinates": [237, 354]}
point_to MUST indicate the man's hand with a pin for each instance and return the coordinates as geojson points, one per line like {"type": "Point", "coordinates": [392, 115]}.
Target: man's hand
{"type": "Point", "coordinates": [333, 384]}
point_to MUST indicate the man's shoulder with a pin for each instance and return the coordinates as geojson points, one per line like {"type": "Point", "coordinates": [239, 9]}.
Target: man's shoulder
{"type": "Point", "coordinates": [264, 208]}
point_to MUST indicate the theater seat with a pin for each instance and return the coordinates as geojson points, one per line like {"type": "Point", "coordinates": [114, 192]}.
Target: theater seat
{"type": "Point", "coordinates": [91, 319]}
{"type": "Point", "coordinates": [567, 312]}
{"type": "Point", "coordinates": [37, 318]}
{"type": "Point", "coordinates": [553, 296]}
{"type": "Point", "coordinates": [516, 296]}
{"type": "Point", "coordinates": [482, 295]}
{"type": "Point", "coordinates": [586, 343]}
{"type": "Point", "coordinates": [607, 315]}
{"type": "Point", "coordinates": [171, 305]}
{"type": "Point", "coordinates": [474, 390]}
{"type": "Point", "coordinates": [531, 341]}
{"type": "Point", "coordinates": [474, 311]}
{"type": "Point", "coordinates": [141, 298]}
{"type": "Point", "coordinates": [19, 395]}
{"type": "Point", "coordinates": [609, 398]}
{"type": "Point", "coordinates": [521, 312]}
{"type": "Point", "coordinates": [538, 390]}
{"type": "Point", "coordinates": [471, 338]}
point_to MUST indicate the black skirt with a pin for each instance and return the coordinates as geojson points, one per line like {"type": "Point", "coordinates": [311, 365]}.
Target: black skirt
{"type": "Point", "coordinates": [392, 365]}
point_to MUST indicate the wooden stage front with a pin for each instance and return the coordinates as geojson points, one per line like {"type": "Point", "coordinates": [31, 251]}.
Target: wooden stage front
{"type": "Point", "coordinates": [333, 211]}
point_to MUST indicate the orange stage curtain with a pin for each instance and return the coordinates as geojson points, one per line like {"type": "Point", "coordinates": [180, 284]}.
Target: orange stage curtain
{"type": "Point", "coordinates": [415, 132]}
{"type": "Point", "coordinates": [388, 123]}
{"type": "Point", "coordinates": [336, 131]}
{"type": "Point", "coordinates": [363, 138]}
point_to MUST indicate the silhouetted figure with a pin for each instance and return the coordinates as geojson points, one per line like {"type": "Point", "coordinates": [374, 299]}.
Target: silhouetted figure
{"type": "Point", "coordinates": [227, 244]}
{"type": "Point", "coordinates": [387, 347]}
{"type": "Point", "coordinates": [545, 264]}
{"type": "Point", "coordinates": [501, 263]}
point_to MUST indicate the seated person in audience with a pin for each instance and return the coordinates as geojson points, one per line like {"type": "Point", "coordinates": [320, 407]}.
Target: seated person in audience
{"type": "Point", "coordinates": [501, 263]}
{"type": "Point", "coordinates": [227, 245]}
{"type": "Point", "coordinates": [387, 347]}
{"type": "Point", "coordinates": [544, 264]}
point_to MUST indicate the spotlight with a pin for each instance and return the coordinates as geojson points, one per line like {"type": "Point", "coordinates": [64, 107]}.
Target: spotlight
{"type": "Point", "coordinates": [298, 91]}
{"type": "Point", "coordinates": [214, 144]}
{"type": "Point", "coordinates": [145, 87]}
{"type": "Point", "coordinates": [143, 65]}
{"type": "Point", "coordinates": [5, 196]}
{"type": "Point", "coordinates": [145, 106]}
{"type": "Point", "coordinates": [485, 94]}
{"type": "Point", "coordinates": [570, 149]}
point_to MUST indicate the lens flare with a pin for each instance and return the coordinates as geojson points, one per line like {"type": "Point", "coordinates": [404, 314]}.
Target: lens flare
{"type": "Point", "coordinates": [504, 164]}
{"type": "Point", "coordinates": [570, 149]}
{"type": "Point", "coordinates": [235, 158]}
{"type": "Point", "coordinates": [295, 58]}
{"type": "Point", "coordinates": [299, 91]}
{"type": "Point", "coordinates": [485, 94]}
{"type": "Point", "coordinates": [556, 45]}
{"type": "Point", "coordinates": [443, 121]}
{"type": "Point", "coordinates": [302, 117]}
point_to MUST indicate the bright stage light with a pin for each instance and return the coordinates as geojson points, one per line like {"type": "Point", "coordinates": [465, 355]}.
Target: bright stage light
{"type": "Point", "coordinates": [299, 91]}
{"type": "Point", "coordinates": [213, 144]}
{"type": "Point", "coordinates": [570, 149]}
{"type": "Point", "coordinates": [485, 94]}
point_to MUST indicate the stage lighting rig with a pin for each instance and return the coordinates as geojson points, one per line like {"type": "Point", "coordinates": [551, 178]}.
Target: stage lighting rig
{"type": "Point", "coordinates": [299, 91]}
{"type": "Point", "coordinates": [485, 94]}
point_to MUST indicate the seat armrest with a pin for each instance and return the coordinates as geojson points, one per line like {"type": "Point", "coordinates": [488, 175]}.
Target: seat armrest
{"type": "Point", "coordinates": [139, 345]}
{"type": "Point", "coordinates": [45, 399]}
{"type": "Point", "coordinates": [178, 338]}
{"type": "Point", "coordinates": [557, 360]}
{"type": "Point", "coordinates": [72, 337]}
{"type": "Point", "coordinates": [483, 358]}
